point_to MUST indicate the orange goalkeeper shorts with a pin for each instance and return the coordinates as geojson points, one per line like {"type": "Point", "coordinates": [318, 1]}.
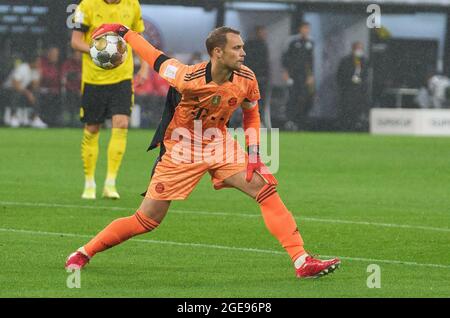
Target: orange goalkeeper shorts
{"type": "Point", "coordinates": [174, 178]}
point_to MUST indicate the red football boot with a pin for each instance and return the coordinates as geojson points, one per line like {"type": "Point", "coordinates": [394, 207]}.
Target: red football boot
{"type": "Point", "coordinates": [76, 260]}
{"type": "Point", "coordinates": [314, 268]}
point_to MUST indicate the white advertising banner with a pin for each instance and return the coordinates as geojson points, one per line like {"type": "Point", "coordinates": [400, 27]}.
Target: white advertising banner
{"type": "Point", "coordinates": [401, 121]}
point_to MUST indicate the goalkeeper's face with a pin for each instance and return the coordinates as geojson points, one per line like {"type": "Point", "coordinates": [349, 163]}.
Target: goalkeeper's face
{"type": "Point", "coordinates": [233, 53]}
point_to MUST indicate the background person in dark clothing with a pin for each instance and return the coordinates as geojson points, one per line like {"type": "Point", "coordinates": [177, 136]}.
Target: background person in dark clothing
{"type": "Point", "coordinates": [352, 84]}
{"type": "Point", "coordinates": [298, 61]}
{"type": "Point", "coordinates": [50, 88]}
{"type": "Point", "coordinates": [71, 86]}
{"type": "Point", "coordinates": [257, 59]}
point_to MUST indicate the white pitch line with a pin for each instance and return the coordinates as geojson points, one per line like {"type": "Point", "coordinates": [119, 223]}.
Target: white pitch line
{"type": "Point", "coordinates": [300, 218]}
{"type": "Point", "coordinates": [241, 249]}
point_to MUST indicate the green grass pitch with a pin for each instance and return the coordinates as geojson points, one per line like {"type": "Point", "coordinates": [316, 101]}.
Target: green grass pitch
{"type": "Point", "coordinates": [366, 199]}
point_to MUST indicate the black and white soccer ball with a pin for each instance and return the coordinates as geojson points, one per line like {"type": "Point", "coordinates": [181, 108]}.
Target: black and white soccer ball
{"type": "Point", "coordinates": [108, 51]}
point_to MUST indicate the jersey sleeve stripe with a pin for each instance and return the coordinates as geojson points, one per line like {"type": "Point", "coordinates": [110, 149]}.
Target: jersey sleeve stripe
{"type": "Point", "coordinates": [159, 61]}
{"type": "Point", "coordinates": [245, 76]}
{"type": "Point", "coordinates": [194, 77]}
{"type": "Point", "coordinates": [195, 73]}
{"type": "Point", "coordinates": [245, 72]}
{"type": "Point", "coordinates": [189, 77]}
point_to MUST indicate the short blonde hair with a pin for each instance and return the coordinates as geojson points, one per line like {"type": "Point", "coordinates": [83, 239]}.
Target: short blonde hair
{"type": "Point", "coordinates": [218, 38]}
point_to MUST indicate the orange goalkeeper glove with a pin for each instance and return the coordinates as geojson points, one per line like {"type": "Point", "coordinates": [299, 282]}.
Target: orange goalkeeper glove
{"type": "Point", "coordinates": [256, 165]}
{"type": "Point", "coordinates": [119, 29]}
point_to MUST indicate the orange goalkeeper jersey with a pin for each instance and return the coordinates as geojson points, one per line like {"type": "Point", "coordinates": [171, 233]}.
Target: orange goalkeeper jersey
{"type": "Point", "coordinates": [193, 94]}
{"type": "Point", "coordinates": [199, 98]}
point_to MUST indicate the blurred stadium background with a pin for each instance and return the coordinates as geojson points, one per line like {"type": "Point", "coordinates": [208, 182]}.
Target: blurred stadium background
{"type": "Point", "coordinates": [367, 199]}
{"type": "Point", "coordinates": [408, 57]}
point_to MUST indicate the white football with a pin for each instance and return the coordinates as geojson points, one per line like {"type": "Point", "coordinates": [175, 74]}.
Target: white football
{"type": "Point", "coordinates": [108, 51]}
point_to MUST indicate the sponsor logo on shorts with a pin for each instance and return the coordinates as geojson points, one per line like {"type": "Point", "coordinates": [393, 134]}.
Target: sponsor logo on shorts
{"type": "Point", "coordinates": [159, 187]}
{"type": "Point", "coordinates": [232, 101]}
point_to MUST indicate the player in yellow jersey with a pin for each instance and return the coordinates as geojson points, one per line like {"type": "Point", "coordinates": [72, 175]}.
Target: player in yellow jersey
{"type": "Point", "coordinates": [200, 102]}
{"type": "Point", "coordinates": [105, 93]}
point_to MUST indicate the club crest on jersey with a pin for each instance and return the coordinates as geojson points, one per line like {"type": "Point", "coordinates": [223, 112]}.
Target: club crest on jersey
{"type": "Point", "coordinates": [232, 101]}
{"type": "Point", "coordinates": [216, 100]}
{"type": "Point", "coordinates": [159, 187]}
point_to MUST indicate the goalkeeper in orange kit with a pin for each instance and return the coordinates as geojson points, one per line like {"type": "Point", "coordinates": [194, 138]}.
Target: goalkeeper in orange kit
{"type": "Point", "coordinates": [201, 100]}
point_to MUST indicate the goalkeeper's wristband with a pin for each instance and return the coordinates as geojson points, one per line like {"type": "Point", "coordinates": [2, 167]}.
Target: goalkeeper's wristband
{"type": "Point", "coordinates": [122, 31]}
{"type": "Point", "coordinates": [253, 150]}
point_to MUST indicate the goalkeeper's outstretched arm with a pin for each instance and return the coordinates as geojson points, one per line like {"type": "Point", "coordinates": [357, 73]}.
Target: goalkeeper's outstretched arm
{"type": "Point", "coordinates": [140, 45]}
{"type": "Point", "coordinates": [168, 68]}
{"type": "Point", "coordinates": [143, 48]}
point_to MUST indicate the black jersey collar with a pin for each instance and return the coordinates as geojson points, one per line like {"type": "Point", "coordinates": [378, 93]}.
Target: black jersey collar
{"type": "Point", "coordinates": [208, 76]}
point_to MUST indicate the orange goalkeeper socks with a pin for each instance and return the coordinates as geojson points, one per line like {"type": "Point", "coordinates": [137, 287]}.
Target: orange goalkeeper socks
{"type": "Point", "coordinates": [280, 221]}
{"type": "Point", "coordinates": [118, 231]}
